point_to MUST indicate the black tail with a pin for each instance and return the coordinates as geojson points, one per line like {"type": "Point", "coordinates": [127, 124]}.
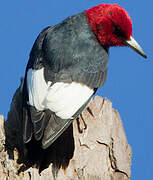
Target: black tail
{"type": "Point", "coordinates": [58, 153]}
{"type": "Point", "coordinates": [44, 126]}
{"type": "Point", "coordinates": [55, 127]}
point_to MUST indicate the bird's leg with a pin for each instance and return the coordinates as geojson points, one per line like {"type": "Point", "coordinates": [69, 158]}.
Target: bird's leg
{"type": "Point", "coordinates": [84, 123]}
{"type": "Point", "coordinates": [90, 112]}
{"type": "Point", "coordinates": [81, 124]}
{"type": "Point", "coordinates": [78, 125]}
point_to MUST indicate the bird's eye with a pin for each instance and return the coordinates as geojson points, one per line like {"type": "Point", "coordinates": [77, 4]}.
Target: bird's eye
{"type": "Point", "coordinates": [117, 31]}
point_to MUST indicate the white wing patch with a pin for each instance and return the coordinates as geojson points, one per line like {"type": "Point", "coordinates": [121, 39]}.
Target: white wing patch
{"type": "Point", "coordinates": [65, 99]}
{"type": "Point", "coordinates": [37, 88]}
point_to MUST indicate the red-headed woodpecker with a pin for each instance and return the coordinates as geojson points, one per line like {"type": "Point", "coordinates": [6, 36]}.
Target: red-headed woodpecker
{"type": "Point", "coordinates": [67, 64]}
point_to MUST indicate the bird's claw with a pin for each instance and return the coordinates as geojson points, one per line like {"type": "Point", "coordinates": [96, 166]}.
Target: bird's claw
{"type": "Point", "coordinates": [81, 124]}
{"type": "Point", "coordinates": [90, 112]}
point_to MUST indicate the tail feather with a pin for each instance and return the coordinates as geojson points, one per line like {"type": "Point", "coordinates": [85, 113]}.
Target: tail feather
{"type": "Point", "coordinates": [39, 120]}
{"type": "Point", "coordinates": [27, 125]}
{"type": "Point", "coordinates": [44, 125]}
{"type": "Point", "coordinates": [55, 127]}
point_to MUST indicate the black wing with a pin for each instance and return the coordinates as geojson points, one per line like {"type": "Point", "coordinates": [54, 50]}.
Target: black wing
{"type": "Point", "coordinates": [34, 121]}
{"type": "Point", "coordinates": [73, 53]}
{"type": "Point", "coordinates": [68, 52]}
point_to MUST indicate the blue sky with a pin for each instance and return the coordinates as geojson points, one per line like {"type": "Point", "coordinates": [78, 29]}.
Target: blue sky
{"type": "Point", "coordinates": [129, 82]}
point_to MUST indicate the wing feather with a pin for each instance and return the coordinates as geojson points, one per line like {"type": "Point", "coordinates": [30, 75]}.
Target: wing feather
{"type": "Point", "coordinates": [66, 66]}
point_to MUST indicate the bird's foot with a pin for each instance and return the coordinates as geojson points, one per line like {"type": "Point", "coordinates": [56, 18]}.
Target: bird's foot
{"type": "Point", "coordinates": [81, 124]}
{"type": "Point", "coordinates": [90, 112]}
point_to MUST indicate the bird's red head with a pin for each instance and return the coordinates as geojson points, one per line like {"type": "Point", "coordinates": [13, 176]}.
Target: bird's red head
{"type": "Point", "coordinates": [111, 24]}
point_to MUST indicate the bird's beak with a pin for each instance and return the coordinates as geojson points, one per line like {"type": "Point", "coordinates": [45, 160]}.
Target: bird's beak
{"type": "Point", "coordinates": [135, 46]}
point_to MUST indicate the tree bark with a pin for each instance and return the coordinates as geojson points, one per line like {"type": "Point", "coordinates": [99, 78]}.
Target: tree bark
{"type": "Point", "coordinates": [97, 150]}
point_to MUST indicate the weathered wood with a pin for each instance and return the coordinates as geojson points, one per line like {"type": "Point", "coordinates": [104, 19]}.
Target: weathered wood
{"type": "Point", "coordinates": [97, 152]}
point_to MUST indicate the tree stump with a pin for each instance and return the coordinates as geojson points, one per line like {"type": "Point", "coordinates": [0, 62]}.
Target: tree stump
{"type": "Point", "coordinates": [99, 149]}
